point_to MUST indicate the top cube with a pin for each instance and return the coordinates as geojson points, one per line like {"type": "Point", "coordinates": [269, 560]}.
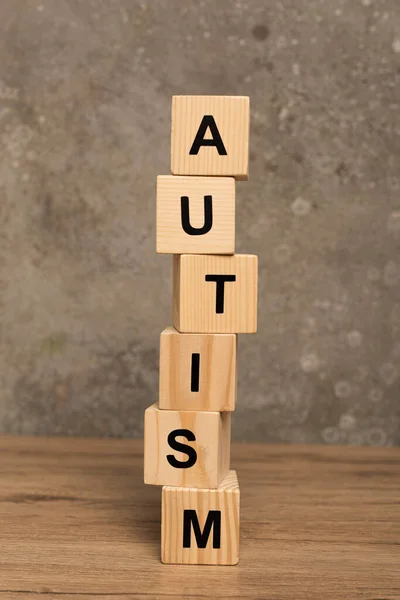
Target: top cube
{"type": "Point", "coordinates": [210, 136]}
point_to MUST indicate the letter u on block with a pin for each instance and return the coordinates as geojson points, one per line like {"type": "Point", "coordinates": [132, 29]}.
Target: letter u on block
{"type": "Point", "coordinates": [195, 215]}
{"type": "Point", "coordinates": [215, 294]}
{"type": "Point", "coordinates": [186, 448]}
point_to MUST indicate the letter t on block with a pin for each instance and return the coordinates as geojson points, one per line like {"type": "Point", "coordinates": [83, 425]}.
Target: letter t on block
{"type": "Point", "coordinates": [200, 526]}
{"type": "Point", "coordinates": [215, 294]}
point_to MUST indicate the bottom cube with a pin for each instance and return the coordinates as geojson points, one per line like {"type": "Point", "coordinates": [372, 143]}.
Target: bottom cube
{"type": "Point", "coordinates": [201, 526]}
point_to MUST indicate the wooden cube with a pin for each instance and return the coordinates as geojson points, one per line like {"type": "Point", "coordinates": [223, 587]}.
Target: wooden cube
{"type": "Point", "coordinates": [215, 294]}
{"type": "Point", "coordinates": [201, 527]}
{"type": "Point", "coordinates": [195, 215]}
{"type": "Point", "coordinates": [197, 371]}
{"type": "Point", "coordinates": [210, 135]}
{"type": "Point", "coordinates": [186, 448]}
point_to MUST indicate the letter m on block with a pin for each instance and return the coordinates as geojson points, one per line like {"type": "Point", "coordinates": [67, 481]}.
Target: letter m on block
{"type": "Point", "coordinates": [213, 522]}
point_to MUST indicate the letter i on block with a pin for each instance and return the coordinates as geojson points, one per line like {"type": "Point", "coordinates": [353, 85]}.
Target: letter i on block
{"type": "Point", "coordinates": [197, 371]}
{"type": "Point", "coordinates": [201, 526]}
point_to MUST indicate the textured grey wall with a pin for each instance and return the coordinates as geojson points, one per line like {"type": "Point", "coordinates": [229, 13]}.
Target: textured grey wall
{"type": "Point", "coordinates": [85, 96]}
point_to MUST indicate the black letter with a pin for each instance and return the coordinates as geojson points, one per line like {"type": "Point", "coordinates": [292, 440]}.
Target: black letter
{"type": "Point", "coordinates": [216, 140]}
{"type": "Point", "coordinates": [208, 216]}
{"type": "Point", "coordinates": [194, 387]}
{"type": "Point", "coordinates": [191, 452]}
{"type": "Point", "coordinates": [213, 518]}
{"type": "Point", "coordinates": [220, 281]}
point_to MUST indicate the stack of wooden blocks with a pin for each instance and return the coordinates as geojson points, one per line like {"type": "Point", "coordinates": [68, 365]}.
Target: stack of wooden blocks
{"type": "Point", "coordinates": [187, 434]}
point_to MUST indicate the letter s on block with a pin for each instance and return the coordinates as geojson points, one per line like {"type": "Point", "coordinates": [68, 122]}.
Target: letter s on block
{"type": "Point", "coordinates": [179, 447]}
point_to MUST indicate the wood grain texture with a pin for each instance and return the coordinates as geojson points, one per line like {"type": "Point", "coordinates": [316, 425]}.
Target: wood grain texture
{"type": "Point", "coordinates": [232, 117]}
{"type": "Point", "coordinates": [217, 371]}
{"type": "Point", "coordinates": [194, 298]}
{"type": "Point", "coordinates": [225, 500]}
{"type": "Point", "coordinates": [171, 238]}
{"type": "Point", "coordinates": [78, 523]}
{"type": "Point", "coordinates": [212, 431]}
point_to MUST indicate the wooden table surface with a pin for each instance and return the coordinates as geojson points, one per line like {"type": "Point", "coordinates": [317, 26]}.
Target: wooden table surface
{"type": "Point", "coordinates": [77, 523]}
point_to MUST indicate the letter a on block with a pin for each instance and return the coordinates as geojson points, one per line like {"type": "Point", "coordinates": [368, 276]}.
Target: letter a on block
{"type": "Point", "coordinates": [210, 135]}
{"type": "Point", "coordinates": [200, 139]}
{"type": "Point", "coordinates": [201, 526]}
{"type": "Point", "coordinates": [215, 294]}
